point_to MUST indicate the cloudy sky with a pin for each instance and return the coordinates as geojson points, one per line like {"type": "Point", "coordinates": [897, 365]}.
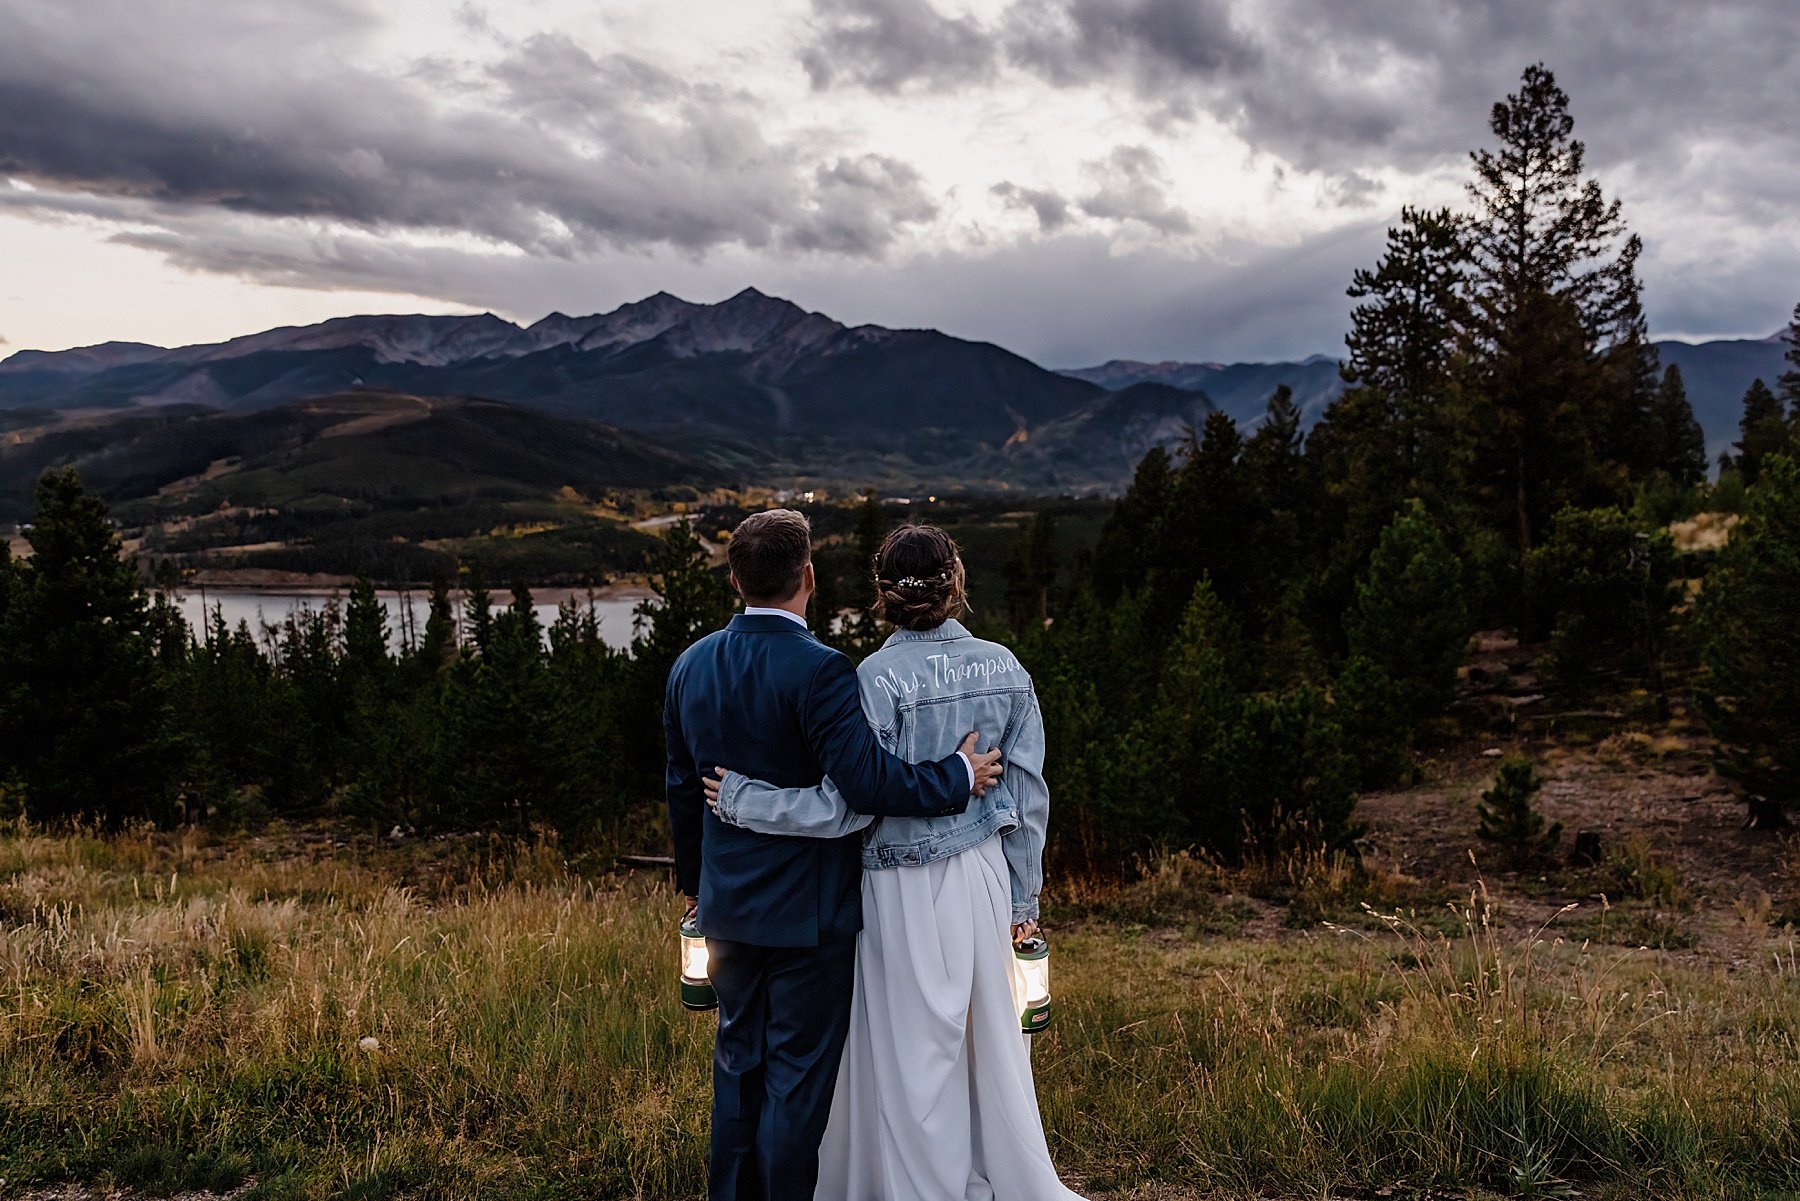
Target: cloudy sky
{"type": "Point", "coordinates": [1074, 179]}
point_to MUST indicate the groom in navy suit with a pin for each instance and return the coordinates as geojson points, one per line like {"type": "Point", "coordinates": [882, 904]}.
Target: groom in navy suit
{"type": "Point", "coordinates": [781, 914]}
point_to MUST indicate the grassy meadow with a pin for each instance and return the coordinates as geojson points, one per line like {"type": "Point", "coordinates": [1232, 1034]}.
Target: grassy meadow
{"type": "Point", "coordinates": [183, 1013]}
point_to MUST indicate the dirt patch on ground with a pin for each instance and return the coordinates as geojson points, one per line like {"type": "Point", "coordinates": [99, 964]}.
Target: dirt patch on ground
{"type": "Point", "coordinates": [1641, 784]}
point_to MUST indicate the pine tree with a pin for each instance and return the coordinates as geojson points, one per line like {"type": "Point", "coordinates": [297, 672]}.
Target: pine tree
{"type": "Point", "coordinates": [85, 724]}
{"type": "Point", "coordinates": [478, 610]}
{"type": "Point", "coordinates": [828, 599]}
{"type": "Point", "coordinates": [862, 634]}
{"type": "Point", "coordinates": [1280, 484]}
{"type": "Point", "coordinates": [1199, 704]}
{"type": "Point", "coordinates": [693, 601]}
{"type": "Point", "coordinates": [1274, 456]}
{"type": "Point", "coordinates": [1762, 431]}
{"type": "Point", "coordinates": [1555, 318]}
{"type": "Point", "coordinates": [365, 633]}
{"type": "Point", "coordinates": [1122, 556]}
{"type": "Point", "coordinates": [1509, 814]}
{"type": "Point", "coordinates": [1789, 384]}
{"type": "Point", "coordinates": [1681, 443]}
{"type": "Point", "coordinates": [1030, 572]}
{"type": "Point", "coordinates": [1405, 334]}
{"type": "Point", "coordinates": [1750, 644]}
{"type": "Point", "coordinates": [585, 697]}
{"type": "Point", "coordinates": [1409, 618]}
{"type": "Point", "coordinates": [305, 651]}
{"type": "Point", "coordinates": [1210, 530]}
{"type": "Point", "coordinates": [437, 649]}
{"type": "Point", "coordinates": [1377, 719]}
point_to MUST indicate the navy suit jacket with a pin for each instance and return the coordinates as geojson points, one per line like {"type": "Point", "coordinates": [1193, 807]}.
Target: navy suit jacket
{"type": "Point", "coordinates": [766, 698]}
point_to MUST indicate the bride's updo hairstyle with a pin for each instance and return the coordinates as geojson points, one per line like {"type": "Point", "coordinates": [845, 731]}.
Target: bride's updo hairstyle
{"type": "Point", "coordinates": [918, 578]}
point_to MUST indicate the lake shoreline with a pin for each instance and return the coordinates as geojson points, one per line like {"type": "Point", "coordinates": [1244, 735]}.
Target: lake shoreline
{"type": "Point", "coordinates": [315, 587]}
{"type": "Point", "coordinates": [408, 610]}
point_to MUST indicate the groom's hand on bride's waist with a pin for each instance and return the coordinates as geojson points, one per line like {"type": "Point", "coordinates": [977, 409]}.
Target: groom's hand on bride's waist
{"type": "Point", "coordinates": [985, 767]}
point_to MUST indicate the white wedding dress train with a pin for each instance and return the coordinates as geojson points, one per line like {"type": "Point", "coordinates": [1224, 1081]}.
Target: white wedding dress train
{"type": "Point", "coordinates": [934, 1098]}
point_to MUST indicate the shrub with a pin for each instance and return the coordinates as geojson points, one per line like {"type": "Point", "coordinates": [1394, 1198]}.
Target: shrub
{"type": "Point", "coordinates": [1601, 588]}
{"type": "Point", "coordinates": [1509, 814]}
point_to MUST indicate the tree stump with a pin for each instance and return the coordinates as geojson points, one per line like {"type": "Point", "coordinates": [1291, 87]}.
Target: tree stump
{"type": "Point", "coordinates": [1766, 814]}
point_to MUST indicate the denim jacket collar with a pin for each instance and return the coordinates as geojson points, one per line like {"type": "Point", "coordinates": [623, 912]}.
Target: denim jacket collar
{"type": "Point", "coordinates": [951, 628]}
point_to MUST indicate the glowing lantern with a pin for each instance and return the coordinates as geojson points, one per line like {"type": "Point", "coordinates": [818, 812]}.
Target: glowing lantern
{"type": "Point", "coordinates": [696, 984]}
{"type": "Point", "coordinates": [1032, 958]}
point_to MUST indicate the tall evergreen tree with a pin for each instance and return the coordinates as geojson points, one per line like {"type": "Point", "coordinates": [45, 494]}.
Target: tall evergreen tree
{"type": "Point", "coordinates": [1209, 530]}
{"type": "Point", "coordinates": [1273, 455]}
{"type": "Point", "coordinates": [1789, 384]}
{"type": "Point", "coordinates": [586, 692]}
{"type": "Point", "coordinates": [478, 610]}
{"type": "Point", "coordinates": [693, 600]}
{"type": "Point", "coordinates": [1030, 571]}
{"type": "Point", "coordinates": [1681, 443]}
{"type": "Point", "coordinates": [862, 634]}
{"type": "Point", "coordinates": [86, 720]}
{"type": "Point", "coordinates": [1750, 644]}
{"type": "Point", "coordinates": [1398, 430]}
{"type": "Point", "coordinates": [437, 649]}
{"type": "Point", "coordinates": [1122, 554]}
{"type": "Point", "coordinates": [1404, 335]}
{"type": "Point", "coordinates": [1762, 430]}
{"type": "Point", "coordinates": [1409, 617]}
{"type": "Point", "coordinates": [365, 633]}
{"type": "Point", "coordinates": [1555, 318]}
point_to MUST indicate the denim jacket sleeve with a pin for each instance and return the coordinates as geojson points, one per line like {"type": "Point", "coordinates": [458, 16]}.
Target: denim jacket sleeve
{"type": "Point", "coordinates": [1024, 844]}
{"type": "Point", "coordinates": [816, 812]}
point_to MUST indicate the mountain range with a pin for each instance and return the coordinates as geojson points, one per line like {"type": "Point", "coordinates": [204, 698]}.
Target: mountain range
{"type": "Point", "coordinates": [755, 386]}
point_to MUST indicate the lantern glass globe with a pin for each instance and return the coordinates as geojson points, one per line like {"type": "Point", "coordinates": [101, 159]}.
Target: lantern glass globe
{"type": "Point", "coordinates": [696, 969]}
{"type": "Point", "coordinates": [1031, 962]}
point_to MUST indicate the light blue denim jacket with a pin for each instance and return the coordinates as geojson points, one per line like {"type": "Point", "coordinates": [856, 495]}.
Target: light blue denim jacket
{"type": "Point", "coordinates": [922, 691]}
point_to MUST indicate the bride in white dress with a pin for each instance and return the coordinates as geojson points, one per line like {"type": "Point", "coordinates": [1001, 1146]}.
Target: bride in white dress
{"type": "Point", "coordinates": [934, 1097]}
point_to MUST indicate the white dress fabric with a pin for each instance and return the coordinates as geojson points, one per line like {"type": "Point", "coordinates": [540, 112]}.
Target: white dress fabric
{"type": "Point", "coordinates": [934, 1098]}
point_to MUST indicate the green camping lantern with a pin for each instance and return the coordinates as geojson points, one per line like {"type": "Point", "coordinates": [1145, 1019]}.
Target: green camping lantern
{"type": "Point", "coordinates": [696, 982]}
{"type": "Point", "coordinates": [1032, 955]}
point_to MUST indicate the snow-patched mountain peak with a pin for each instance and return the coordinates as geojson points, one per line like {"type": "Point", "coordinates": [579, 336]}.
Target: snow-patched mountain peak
{"type": "Point", "coordinates": [749, 323]}
{"type": "Point", "coordinates": [429, 341]}
{"type": "Point", "coordinates": [629, 324]}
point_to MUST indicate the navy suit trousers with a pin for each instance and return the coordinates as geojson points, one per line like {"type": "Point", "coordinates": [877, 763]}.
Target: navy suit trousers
{"type": "Point", "coordinates": [784, 1013]}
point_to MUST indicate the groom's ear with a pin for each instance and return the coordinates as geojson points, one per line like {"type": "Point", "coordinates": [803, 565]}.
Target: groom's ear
{"type": "Point", "coordinates": [731, 577]}
{"type": "Point", "coordinates": [809, 581]}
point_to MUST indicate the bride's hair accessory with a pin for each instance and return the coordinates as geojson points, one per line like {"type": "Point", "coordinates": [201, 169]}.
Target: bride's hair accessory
{"type": "Point", "coordinates": [913, 581]}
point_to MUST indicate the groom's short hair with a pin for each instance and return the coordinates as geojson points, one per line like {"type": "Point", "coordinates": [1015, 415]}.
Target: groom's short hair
{"type": "Point", "coordinates": [769, 552]}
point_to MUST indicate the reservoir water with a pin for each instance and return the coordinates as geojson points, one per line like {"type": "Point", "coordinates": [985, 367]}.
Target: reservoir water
{"type": "Point", "coordinates": [406, 612]}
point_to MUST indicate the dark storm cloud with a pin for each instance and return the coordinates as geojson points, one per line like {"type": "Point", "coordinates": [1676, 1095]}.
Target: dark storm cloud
{"type": "Point", "coordinates": [1326, 83]}
{"type": "Point", "coordinates": [250, 108]}
{"type": "Point", "coordinates": [1051, 210]}
{"type": "Point", "coordinates": [854, 202]}
{"type": "Point", "coordinates": [1165, 45]}
{"type": "Point", "coordinates": [887, 44]}
{"type": "Point", "coordinates": [1131, 184]}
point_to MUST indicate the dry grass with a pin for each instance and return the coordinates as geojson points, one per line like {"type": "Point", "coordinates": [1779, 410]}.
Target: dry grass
{"type": "Point", "coordinates": [175, 1014]}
